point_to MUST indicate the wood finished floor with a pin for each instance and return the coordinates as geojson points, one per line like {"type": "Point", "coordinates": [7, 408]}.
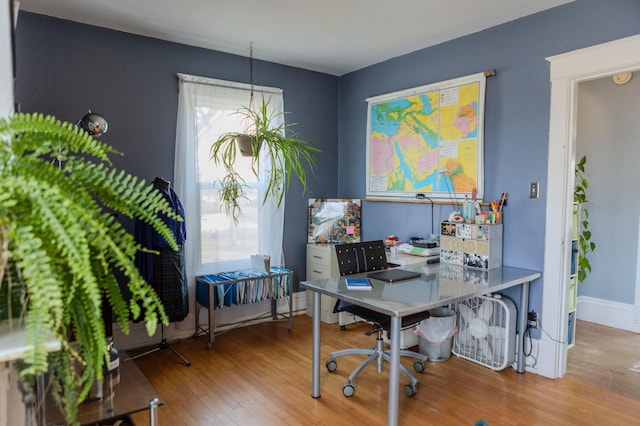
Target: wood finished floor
{"type": "Point", "coordinates": [606, 357]}
{"type": "Point", "coordinates": [260, 375]}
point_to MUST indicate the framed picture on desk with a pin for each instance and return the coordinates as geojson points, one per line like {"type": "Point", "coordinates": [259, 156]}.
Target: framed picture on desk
{"type": "Point", "coordinates": [333, 221]}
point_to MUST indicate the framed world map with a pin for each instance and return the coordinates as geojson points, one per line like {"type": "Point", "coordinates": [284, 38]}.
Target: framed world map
{"type": "Point", "coordinates": [427, 140]}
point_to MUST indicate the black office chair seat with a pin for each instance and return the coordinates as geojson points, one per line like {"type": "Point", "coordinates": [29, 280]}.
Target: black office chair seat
{"type": "Point", "coordinates": [365, 257]}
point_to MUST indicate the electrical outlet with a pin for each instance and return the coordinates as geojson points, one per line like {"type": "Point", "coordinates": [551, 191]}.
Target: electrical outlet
{"type": "Point", "coordinates": [534, 189]}
{"type": "Point", "coordinates": [533, 319]}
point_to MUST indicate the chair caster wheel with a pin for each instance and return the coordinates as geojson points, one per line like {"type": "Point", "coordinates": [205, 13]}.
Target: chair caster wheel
{"type": "Point", "coordinates": [331, 365]}
{"type": "Point", "coordinates": [410, 390]}
{"type": "Point", "coordinates": [418, 366]}
{"type": "Point", "coordinates": [348, 389]}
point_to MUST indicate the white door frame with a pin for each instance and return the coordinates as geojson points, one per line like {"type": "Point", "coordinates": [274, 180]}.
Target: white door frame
{"type": "Point", "coordinates": [567, 70]}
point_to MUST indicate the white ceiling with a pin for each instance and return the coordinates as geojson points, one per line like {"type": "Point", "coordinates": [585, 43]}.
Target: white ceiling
{"type": "Point", "coordinates": [330, 36]}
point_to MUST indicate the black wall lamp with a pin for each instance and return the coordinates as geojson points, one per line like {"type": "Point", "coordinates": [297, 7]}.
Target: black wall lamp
{"type": "Point", "coordinates": [94, 123]}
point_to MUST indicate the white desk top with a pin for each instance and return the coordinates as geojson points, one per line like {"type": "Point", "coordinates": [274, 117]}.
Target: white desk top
{"type": "Point", "coordinates": [440, 284]}
{"type": "Point", "coordinates": [13, 342]}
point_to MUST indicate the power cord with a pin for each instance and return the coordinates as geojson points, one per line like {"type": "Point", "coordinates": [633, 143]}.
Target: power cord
{"type": "Point", "coordinates": [565, 342]}
{"type": "Point", "coordinates": [527, 336]}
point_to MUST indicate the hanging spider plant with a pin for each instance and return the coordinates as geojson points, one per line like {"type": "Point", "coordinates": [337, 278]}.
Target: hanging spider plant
{"type": "Point", "coordinates": [288, 156]}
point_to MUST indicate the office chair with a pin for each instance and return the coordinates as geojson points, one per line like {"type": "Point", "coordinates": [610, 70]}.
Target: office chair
{"type": "Point", "coordinates": [365, 257]}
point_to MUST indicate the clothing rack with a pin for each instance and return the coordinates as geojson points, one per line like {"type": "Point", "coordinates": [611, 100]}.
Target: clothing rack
{"type": "Point", "coordinates": [164, 344]}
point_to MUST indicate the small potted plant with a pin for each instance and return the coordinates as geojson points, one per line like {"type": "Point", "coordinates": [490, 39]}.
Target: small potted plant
{"type": "Point", "coordinates": [264, 132]}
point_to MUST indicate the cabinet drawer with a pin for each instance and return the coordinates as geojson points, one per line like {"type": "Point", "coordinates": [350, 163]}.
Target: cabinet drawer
{"type": "Point", "coordinates": [320, 254]}
{"type": "Point", "coordinates": [317, 271]}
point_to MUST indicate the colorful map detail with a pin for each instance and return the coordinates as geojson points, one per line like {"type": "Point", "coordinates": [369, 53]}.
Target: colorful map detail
{"type": "Point", "coordinates": [426, 143]}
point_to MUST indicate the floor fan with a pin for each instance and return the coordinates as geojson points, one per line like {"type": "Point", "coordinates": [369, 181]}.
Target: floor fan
{"type": "Point", "coordinates": [486, 331]}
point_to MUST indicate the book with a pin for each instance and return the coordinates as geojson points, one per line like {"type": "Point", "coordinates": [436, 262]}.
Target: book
{"type": "Point", "coordinates": [358, 284]}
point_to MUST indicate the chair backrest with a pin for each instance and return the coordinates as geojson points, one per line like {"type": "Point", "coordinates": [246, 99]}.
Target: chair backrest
{"type": "Point", "coordinates": [355, 258]}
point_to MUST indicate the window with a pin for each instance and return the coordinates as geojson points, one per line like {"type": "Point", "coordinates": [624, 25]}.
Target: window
{"type": "Point", "coordinates": [217, 229]}
{"type": "Point", "coordinates": [214, 242]}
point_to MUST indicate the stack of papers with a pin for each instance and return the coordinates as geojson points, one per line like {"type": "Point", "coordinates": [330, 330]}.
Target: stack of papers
{"type": "Point", "coordinates": [418, 251]}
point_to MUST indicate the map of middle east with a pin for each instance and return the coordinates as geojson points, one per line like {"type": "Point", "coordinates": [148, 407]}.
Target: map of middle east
{"type": "Point", "coordinates": [425, 143]}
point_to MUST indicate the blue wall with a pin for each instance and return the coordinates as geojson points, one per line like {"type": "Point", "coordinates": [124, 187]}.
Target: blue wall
{"type": "Point", "coordinates": [516, 116]}
{"type": "Point", "coordinates": [65, 68]}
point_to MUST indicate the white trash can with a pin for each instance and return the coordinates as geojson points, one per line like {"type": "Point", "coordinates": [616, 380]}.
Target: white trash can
{"type": "Point", "coordinates": [436, 334]}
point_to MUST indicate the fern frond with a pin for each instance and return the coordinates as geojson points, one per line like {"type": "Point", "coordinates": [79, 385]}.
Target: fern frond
{"type": "Point", "coordinates": [59, 235]}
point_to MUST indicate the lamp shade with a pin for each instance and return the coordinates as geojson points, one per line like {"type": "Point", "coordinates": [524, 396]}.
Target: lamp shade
{"type": "Point", "coordinates": [94, 124]}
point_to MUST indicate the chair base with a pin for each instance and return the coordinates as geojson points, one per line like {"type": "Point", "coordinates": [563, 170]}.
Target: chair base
{"type": "Point", "coordinates": [379, 355]}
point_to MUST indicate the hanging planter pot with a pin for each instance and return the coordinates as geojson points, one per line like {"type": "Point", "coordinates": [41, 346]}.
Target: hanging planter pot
{"type": "Point", "coordinates": [245, 145]}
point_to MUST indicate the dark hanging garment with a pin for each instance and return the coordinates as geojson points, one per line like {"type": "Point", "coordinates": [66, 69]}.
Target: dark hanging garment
{"type": "Point", "coordinates": [165, 271]}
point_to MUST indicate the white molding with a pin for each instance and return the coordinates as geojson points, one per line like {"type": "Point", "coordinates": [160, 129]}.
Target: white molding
{"type": "Point", "coordinates": [566, 71]}
{"type": "Point", "coordinates": [138, 337]}
{"type": "Point", "coordinates": [596, 61]}
{"type": "Point", "coordinates": [605, 312]}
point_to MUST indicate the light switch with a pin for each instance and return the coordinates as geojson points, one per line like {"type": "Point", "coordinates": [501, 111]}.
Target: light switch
{"type": "Point", "coordinates": [533, 189]}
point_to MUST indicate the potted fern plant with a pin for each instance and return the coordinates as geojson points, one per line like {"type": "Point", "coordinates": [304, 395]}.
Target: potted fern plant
{"type": "Point", "coordinates": [264, 131]}
{"type": "Point", "coordinates": [585, 245]}
{"type": "Point", "coordinates": [61, 243]}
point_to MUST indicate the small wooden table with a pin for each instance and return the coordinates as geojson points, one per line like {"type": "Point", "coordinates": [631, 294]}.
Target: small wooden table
{"type": "Point", "coordinates": [133, 394]}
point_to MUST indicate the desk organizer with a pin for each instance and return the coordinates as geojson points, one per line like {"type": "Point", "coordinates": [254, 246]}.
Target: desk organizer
{"type": "Point", "coordinates": [469, 244]}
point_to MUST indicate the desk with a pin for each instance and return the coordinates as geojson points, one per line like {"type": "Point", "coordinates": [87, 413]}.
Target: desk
{"type": "Point", "coordinates": [240, 287]}
{"type": "Point", "coordinates": [434, 288]}
{"type": "Point", "coordinates": [133, 394]}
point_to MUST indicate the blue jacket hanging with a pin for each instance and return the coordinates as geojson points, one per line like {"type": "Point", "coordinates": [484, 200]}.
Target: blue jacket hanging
{"type": "Point", "coordinates": [165, 271]}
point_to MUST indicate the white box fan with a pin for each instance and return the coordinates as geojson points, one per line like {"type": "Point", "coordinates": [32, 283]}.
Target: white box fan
{"type": "Point", "coordinates": [486, 331]}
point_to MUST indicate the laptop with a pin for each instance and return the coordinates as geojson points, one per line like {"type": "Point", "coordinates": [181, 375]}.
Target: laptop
{"type": "Point", "coordinates": [393, 275]}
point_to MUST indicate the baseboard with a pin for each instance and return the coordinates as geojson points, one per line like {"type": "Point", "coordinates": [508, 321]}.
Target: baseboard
{"type": "Point", "coordinates": [606, 312]}
{"type": "Point", "coordinates": [233, 315]}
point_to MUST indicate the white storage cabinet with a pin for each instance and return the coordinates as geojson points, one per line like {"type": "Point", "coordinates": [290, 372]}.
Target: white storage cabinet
{"type": "Point", "coordinates": [323, 263]}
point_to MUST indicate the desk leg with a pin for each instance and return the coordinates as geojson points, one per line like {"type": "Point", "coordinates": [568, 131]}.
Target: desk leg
{"type": "Point", "coordinates": [315, 352]}
{"type": "Point", "coordinates": [153, 411]}
{"type": "Point", "coordinates": [41, 391]}
{"type": "Point", "coordinates": [394, 372]}
{"type": "Point", "coordinates": [273, 294]}
{"type": "Point", "coordinates": [212, 319]}
{"type": "Point", "coordinates": [523, 317]}
{"type": "Point", "coordinates": [197, 330]}
{"type": "Point", "coordinates": [290, 295]}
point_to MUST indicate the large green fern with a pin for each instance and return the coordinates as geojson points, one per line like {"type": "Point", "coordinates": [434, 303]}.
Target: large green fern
{"type": "Point", "coordinates": [60, 239]}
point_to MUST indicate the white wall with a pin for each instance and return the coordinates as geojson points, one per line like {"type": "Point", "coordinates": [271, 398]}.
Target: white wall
{"type": "Point", "coordinates": [6, 57]}
{"type": "Point", "coordinates": [9, 394]}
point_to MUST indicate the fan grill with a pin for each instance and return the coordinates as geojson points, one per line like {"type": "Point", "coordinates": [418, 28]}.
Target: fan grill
{"type": "Point", "coordinates": [486, 331]}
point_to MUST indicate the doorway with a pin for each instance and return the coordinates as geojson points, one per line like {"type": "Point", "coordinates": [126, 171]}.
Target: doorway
{"type": "Point", "coordinates": [567, 71]}
{"type": "Point", "coordinates": [608, 136]}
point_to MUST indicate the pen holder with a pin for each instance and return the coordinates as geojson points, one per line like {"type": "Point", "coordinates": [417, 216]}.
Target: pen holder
{"type": "Point", "coordinates": [492, 217]}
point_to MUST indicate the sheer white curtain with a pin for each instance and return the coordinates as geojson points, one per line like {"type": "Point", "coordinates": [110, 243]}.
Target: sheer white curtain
{"type": "Point", "coordinates": [197, 92]}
